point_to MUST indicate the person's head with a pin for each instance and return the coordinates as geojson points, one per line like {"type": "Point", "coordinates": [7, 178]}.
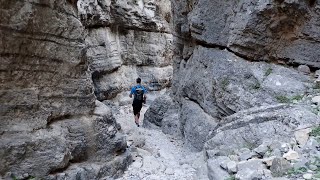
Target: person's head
{"type": "Point", "coordinates": [138, 80]}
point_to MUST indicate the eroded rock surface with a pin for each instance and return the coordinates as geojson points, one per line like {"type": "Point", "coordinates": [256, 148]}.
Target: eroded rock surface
{"type": "Point", "coordinates": [243, 80]}
{"type": "Point", "coordinates": [51, 126]}
{"type": "Point", "coordinates": [126, 40]}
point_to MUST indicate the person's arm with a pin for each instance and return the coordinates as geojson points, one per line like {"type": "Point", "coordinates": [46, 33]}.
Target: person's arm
{"type": "Point", "coordinates": [132, 91]}
{"type": "Point", "coordinates": [144, 95]}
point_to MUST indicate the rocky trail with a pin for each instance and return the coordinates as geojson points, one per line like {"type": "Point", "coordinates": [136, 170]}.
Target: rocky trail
{"type": "Point", "coordinates": [157, 155]}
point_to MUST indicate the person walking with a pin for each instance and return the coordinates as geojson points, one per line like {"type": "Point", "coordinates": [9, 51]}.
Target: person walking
{"type": "Point", "coordinates": [139, 97]}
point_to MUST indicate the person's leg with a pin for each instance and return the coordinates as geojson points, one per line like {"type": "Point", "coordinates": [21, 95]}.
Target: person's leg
{"type": "Point", "coordinates": [136, 118]}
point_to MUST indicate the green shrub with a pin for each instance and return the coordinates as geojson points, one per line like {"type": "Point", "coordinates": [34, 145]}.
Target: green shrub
{"type": "Point", "coordinates": [268, 72]}
{"type": "Point", "coordinates": [283, 99]}
{"type": "Point", "coordinates": [315, 131]}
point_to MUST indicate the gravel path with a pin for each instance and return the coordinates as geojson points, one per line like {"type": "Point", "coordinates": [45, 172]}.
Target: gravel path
{"type": "Point", "coordinates": [157, 156]}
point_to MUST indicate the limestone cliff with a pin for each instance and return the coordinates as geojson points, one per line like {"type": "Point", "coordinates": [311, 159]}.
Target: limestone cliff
{"type": "Point", "coordinates": [57, 57]}
{"type": "Point", "coordinates": [126, 40]}
{"type": "Point", "coordinates": [236, 84]}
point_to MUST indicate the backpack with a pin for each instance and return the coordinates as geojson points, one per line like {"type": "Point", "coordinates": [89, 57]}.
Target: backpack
{"type": "Point", "coordinates": [139, 93]}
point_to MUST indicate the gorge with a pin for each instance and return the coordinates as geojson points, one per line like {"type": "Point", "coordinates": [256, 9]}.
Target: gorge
{"type": "Point", "coordinates": [234, 89]}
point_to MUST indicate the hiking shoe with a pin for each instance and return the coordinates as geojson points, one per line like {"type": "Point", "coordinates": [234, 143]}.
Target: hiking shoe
{"type": "Point", "coordinates": [138, 124]}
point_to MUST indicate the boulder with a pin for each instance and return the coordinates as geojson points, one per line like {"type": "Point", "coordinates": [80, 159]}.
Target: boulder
{"type": "Point", "coordinates": [304, 69]}
{"type": "Point", "coordinates": [198, 125]}
{"type": "Point", "coordinates": [302, 136]}
{"type": "Point", "coordinates": [291, 155]}
{"type": "Point", "coordinates": [215, 172]}
{"type": "Point", "coordinates": [257, 125]}
{"type": "Point", "coordinates": [279, 167]}
{"type": "Point", "coordinates": [156, 112]}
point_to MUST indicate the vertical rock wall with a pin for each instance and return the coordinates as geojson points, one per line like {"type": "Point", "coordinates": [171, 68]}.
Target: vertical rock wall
{"type": "Point", "coordinates": [50, 125]}
{"type": "Point", "coordinates": [235, 55]}
{"type": "Point", "coordinates": [126, 40]}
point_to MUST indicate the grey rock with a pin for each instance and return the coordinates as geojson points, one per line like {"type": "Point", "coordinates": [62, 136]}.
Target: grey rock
{"type": "Point", "coordinates": [222, 94]}
{"type": "Point", "coordinates": [234, 27]}
{"type": "Point", "coordinates": [157, 111]}
{"type": "Point", "coordinates": [171, 123]}
{"type": "Point", "coordinates": [291, 155]}
{"type": "Point", "coordinates": [215, 172]}
{"type": "Point", "coordinates": [252, 169]}
{"type": "Point", "coordinates": [257, 125]}
{"type": "Point", "coordinates": [307, 176]}
{"type": "Point", "coordinates": [198, 125]}
{"type": "Point", "coordinates": [317, 73]}
{"type": "Point", "coordinates": [253, 164]}
{"type": "Point", "coordinates": [262, 149]}
{"type": "Point", "coordinates": [245, 154]}
{"type": "Point", "coordinates": [316, 100]}
{"type": "Point", "coordinates": [279, 167]}
{"type": "Point", "coordinates": [276, 152]}
{"type": "Point", "coordinates": [304, 69]}
{"type": "Point", "coordinates": [302, 136]}
{"type": "Point", "coordinates": [127, 40]}
{"type": "Point", "coordinates": [232, 167]}
{"type": "Point", "coordinates": [313, 167]}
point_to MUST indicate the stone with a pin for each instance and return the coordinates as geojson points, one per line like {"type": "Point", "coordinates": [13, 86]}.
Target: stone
{"type": "Point", "coordinates": [232, 167]}
{"type": "Point", "coordinates": [279, 167]}
{"type": "Point", "coordinates": [196, 133]}
{"type": "Point", "coordinates": [157, 110]}
{"type": "Point", "coordinates": [317, 73]}
{"type": "Point", "coordinates": [262, 149]}
{"type": "Point", "coordinates": [316, 100]}
{"type": "Point", "coordinates": [302, 136]}
{"type": "Point", "coordinates": [241, 131]}
{"type": "Point", "coordinates": [304, 69]}
{"type": "Point", "coordinates": [313, 167]}
{"type": "Point", "coordinates": [253, 164]}
{"type": "Point", "coordinates": [252, 169]}
{"type": "Point", "coordinates": [268, 161]}
{"type": "Point", "coordinates": [307, 176]}
{"type": "Point", "coordinates": [215, 172]}
{"type": "Point", "coordinates": [285, 147]}
{"type": "Point", "coordinates": [291, 155]}
{"type": "Point", "coordinates": [245, 154]}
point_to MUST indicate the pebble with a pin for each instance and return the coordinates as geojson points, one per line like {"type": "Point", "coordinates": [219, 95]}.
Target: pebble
{"type": "Point", "coordinates": [307, 176]}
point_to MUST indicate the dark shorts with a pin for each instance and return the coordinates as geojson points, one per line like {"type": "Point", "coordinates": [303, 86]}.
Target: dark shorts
{"type": "Point", "coordinates": [137, 105]}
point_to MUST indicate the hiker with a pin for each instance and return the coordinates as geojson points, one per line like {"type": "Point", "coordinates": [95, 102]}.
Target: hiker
{"type": "Point", "coordinates": [139, 93]}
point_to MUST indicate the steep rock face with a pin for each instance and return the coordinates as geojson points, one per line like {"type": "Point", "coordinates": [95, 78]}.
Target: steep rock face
{"type": "Point", "coordinates": [259, 30]}
{"type": "Point", "coordinates": [126, 40]}
{"type": "Point", "coordinates": [236, 83]}
{"type": "Point", "coordinates": [219, 42]}
{"type": "Point", "coordinates": [50, 122]}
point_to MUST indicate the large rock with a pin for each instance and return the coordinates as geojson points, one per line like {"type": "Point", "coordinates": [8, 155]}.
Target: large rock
{"type": "Point", "coordinates": [198, 125]}
{"type": "Point", "coordinates": [252, 127]}
{"type": "Point", "coordinates": [163, 113]}
{"type": "Point", "coordinates": [69, 145]}
{"type": "Point", "coordinates": [157, 110]}
{"type": "Point", "coordinates": [223, 83]}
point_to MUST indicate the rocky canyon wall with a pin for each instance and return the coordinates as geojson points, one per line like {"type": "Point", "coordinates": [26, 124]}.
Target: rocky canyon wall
{"type": "Point", "coordinates": [59, 56]}
{"type": "Point", "coordinates": [241, 79]}
{"type": "Point", "coordinates": [126, 40]}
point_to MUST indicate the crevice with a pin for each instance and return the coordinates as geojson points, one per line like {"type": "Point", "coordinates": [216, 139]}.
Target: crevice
{"type": "Point", "coordinates": [60, 170]}
{"type": "Point", "coordinates": [108, 25]}
{"type": "Point", "coordinates": [33, 33]}
{"type": "Point", "coordinates": [52, 119]}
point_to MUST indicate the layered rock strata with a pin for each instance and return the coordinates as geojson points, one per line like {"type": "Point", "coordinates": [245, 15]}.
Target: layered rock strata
{"type": "Point", "coordinates": [51, 127]}
{"type": "Point", "coordinates": [236, 83]}
{"type": "Point", "coordinates": [126, 40]}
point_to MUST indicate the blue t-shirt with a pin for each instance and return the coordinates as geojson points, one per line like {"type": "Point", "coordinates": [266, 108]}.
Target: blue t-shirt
{"type": "Point", "coordinates": [133, 89]}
